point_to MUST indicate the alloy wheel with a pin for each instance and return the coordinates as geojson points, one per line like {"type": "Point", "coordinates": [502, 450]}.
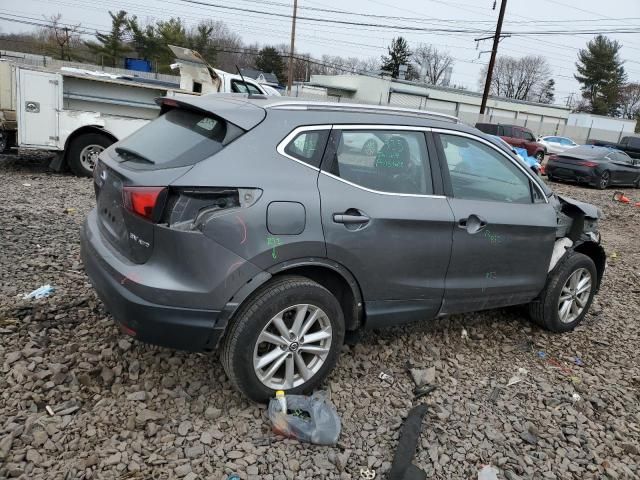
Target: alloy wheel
{"type": "Point", "coordinates": [292, 347]}
{"type": "Point", "coordinates": [604, 179]}
{"type": "Point", "coordinates": [574, 295]}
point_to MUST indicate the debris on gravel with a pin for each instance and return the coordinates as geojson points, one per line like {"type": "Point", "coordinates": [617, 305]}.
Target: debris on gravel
{"type": "Point", "coordinates": [123, 409]}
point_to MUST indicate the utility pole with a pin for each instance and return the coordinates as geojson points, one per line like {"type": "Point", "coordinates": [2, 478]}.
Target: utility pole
{"type": "Point", "coordinates": [293, 39]}
{"type": "Point", "coordinates": [494, 51]}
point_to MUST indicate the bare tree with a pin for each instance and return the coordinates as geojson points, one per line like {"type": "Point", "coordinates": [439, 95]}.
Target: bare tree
{"type": "Point", "coordinates": [63, 35]}
{"type": "Point", "coordinates": [518, 78]}
{"type": "Point", "coordinates": [630, 100]}
{"type": "Point", "coordinates": [432, 63]}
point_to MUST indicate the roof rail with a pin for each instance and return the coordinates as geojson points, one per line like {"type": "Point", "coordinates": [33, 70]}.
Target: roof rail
{"type": "Point", "coordinates": [358, 107]}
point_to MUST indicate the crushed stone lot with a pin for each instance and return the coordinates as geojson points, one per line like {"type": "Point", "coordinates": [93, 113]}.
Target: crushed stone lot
{"type": "Point", "coordinates": [122, 409]}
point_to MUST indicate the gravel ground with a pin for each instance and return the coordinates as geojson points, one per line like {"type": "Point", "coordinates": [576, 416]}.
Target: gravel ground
{"type": "Point", "coordinates": [127, 410]}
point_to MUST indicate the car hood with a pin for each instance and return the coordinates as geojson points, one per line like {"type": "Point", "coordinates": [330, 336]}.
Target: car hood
{"type": "Point", "coordinates": [590, 211]}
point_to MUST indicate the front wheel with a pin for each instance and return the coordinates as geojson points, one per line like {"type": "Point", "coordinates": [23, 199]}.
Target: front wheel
{"type": "Point", "coordinates": [286, 337]}
{"type": "Point", "coordinates": [539, 156]}
{"type": "Point", "coordinates": [568, 294]}
{"type": "Point", "coordinates": [83, 152]}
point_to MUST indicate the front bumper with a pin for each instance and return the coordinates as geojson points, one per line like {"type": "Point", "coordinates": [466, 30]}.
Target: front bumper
{"type": "Point", "coordinates": [174, 327]}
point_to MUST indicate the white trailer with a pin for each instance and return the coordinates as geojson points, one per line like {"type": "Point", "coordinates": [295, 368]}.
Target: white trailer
{"type": "Point", "coordinates": [78, 113]}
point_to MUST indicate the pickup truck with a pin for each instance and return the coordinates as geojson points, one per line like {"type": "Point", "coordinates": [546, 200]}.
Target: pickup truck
{"type": "Point", "coordinates": [629, 145]}
{"type": "Point", "coordinates": [515, 136]}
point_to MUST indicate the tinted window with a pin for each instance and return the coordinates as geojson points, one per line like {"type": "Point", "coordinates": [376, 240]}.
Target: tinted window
{"type": "Point", "coordinates": [506, 131]}
{"type": "Point", "coordinates": [238, 86]}
{"type": "Point", "coordinates": [566, 141]}
{"type": "Point", "coordinates": [528, 136]}
{"type": "Point", "coordinates": [550, 139]}
{"type": "Point", "coordinates": [391, 161]}
{"type": "Point", "coordinates": [479, 172]}
{"type": "Point", "coordinates": [179, 137]}
{"type": "Point", "coordinates": [308, 146]}
{"type": "Point", "coordinates": [634, 142]}
{"type": "Point", "coordinates": [624, 141]}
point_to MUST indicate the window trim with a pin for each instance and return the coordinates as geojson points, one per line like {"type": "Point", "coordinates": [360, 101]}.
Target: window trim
{"type": "Point", "coordinates": [285, 141]}
{"type": "Point", "coordinates": [280, 148]}
{"type": "Point", "coordinates": [528, 174]}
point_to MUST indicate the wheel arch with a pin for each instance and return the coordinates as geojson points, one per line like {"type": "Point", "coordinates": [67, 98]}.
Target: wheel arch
{"type": "Point", "coordinates": [331, 275]}
{"type": "Point", "coordinates": [596, 253]}
{"type": "Point", "coordinates": [335, 278]}
{"type": "Point", "coordinates": [82, 131]}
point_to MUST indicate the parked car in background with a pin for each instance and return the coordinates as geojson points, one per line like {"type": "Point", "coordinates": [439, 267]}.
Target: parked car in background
{"type": "Point", "coordinates": [630, 145]}
{"type": "Point", "coordinates": [597, 166]}
{"type": "Point", "coordinates": [244, 224]}
{"type": "Point", "coordinates": [515, 136]}
{"type": "Point", "coordinates": [554, 144]}
{"type": "Point", "coordinates": [367, 143]}
{"type": "Point", "coordinates": [522, 154]}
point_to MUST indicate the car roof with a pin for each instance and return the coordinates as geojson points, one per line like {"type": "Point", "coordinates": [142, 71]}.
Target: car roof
{"type": "Point", "coordinates": [589, 152]}
{"type": "Point", "coordinates": [234, 106]}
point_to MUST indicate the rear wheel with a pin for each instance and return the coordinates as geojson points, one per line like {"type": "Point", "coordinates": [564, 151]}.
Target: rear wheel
{"type": "Point", "coordinates": [286, 337]}
{"type": "Point", "coordinates": [83, 152]}
{"type": "Point", "coordinates": [603, 181]}
{"type": "Point", "coordinates": [568, 294]}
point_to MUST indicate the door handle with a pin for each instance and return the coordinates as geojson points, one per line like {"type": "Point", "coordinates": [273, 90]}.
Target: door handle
{"type": "Point", "coordinates": [473, 223]}
{"type": "Point", "coordinates": [349, 219]}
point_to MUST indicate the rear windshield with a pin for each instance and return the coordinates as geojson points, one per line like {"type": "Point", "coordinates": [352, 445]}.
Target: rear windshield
{"type": "Point", "coordinates": [179, 137]}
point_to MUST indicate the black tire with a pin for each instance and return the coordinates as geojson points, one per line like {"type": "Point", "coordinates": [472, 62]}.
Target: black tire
{"type": "Point", "coordinates": [76, 147]}
{"type": "Point", "coordinates": [242, 334]}
{"type": "Point", "coordinates": [539, 156]}
{"type": "Point", "coordinates": [604, 180]}
{"type": "Point", "coordinates": [544, 309]}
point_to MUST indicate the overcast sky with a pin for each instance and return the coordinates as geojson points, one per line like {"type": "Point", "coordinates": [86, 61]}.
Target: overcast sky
{"type": "Point", "coordinates": [349, 40]}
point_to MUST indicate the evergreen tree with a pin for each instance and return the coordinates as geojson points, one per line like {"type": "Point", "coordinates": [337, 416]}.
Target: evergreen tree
{"type": "Point", "coordinates": [270, 61]}
{"type": "Point", "coordinates": [112, 45]}
{"type": "Point", "coordinates": [399, 54]}
{"type": "Point", "coordinates": [547, 92]}
{"type": "Point", "coordinates": [602, 75]}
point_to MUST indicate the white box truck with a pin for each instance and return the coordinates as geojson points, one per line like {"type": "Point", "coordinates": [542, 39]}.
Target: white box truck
{"type": "Point", "coordinates": [77, 113]}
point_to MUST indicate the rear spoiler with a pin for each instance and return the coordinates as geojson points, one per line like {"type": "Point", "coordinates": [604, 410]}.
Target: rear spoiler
{"type": "Point", "coordinates": [232, 108]}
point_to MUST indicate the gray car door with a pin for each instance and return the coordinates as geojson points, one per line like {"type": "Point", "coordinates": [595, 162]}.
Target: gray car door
{"type": "Point", "coordinates": [504, 228]}
{"type": "Point", "coordinates": [385, 222]}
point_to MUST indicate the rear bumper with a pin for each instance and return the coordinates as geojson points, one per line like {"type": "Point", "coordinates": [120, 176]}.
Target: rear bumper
{"type": "Point", "coordinates": [572, 173]}
{"type": "Point", "coordinates": [174, 327]}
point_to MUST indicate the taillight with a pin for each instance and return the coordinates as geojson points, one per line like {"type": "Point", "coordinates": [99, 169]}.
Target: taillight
{"type": "Point", "coordinates": [190, 207]}
{"type": "Point", "coordinates": [588, 164]}
{"type": "Point", "coordinates": [144, 201]}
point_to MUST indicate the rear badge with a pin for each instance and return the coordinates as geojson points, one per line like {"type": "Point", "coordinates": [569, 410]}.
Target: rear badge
{"type": "Point", "coordinates": [138, 240]}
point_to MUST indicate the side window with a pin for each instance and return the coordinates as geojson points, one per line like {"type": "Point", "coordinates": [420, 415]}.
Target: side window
{"type": "Point", "coordinates": [507, 131]}
{"type": "Point", "coordinates": [634, 142]}
{"type": "Point", "coordinates": [238, 86]}
{"type": "Point", "coordinates": [624, 141]}
{"type": "Point", "coordinates": [478, 172]}
{"type": "Point", "coordinates": [392, 161]}
{"type": "Point", "coordinates": [528, 136]}
{"type": "Point", "coordinates": [308, 146]}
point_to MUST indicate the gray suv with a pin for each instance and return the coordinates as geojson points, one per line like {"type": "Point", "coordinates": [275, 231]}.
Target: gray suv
{"type": "Point", "coordinates": [269, 228]}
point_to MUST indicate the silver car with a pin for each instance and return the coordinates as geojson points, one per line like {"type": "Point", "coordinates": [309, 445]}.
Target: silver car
{"type": "Point", "coordinates": [248, 225]}
{"type": "Point", "coordinates": [554, 144]}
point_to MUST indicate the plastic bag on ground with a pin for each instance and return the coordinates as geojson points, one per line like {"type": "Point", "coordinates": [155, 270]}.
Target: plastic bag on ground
{"type": "Point", "coordinates": [308, 419]}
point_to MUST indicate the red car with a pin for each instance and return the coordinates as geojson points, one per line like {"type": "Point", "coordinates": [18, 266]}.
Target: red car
{"type": "Point", "coordinates": [515, 136]}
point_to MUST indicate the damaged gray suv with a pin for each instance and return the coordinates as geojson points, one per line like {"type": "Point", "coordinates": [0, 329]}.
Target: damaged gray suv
{"type": "Point", "coordinates": [270, 228]}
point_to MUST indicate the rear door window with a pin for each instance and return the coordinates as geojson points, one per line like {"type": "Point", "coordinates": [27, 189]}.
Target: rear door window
{"type": "Point", "coordinates": [390, 161]}
{"type": "Point", "coordinates": [179, 137]}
